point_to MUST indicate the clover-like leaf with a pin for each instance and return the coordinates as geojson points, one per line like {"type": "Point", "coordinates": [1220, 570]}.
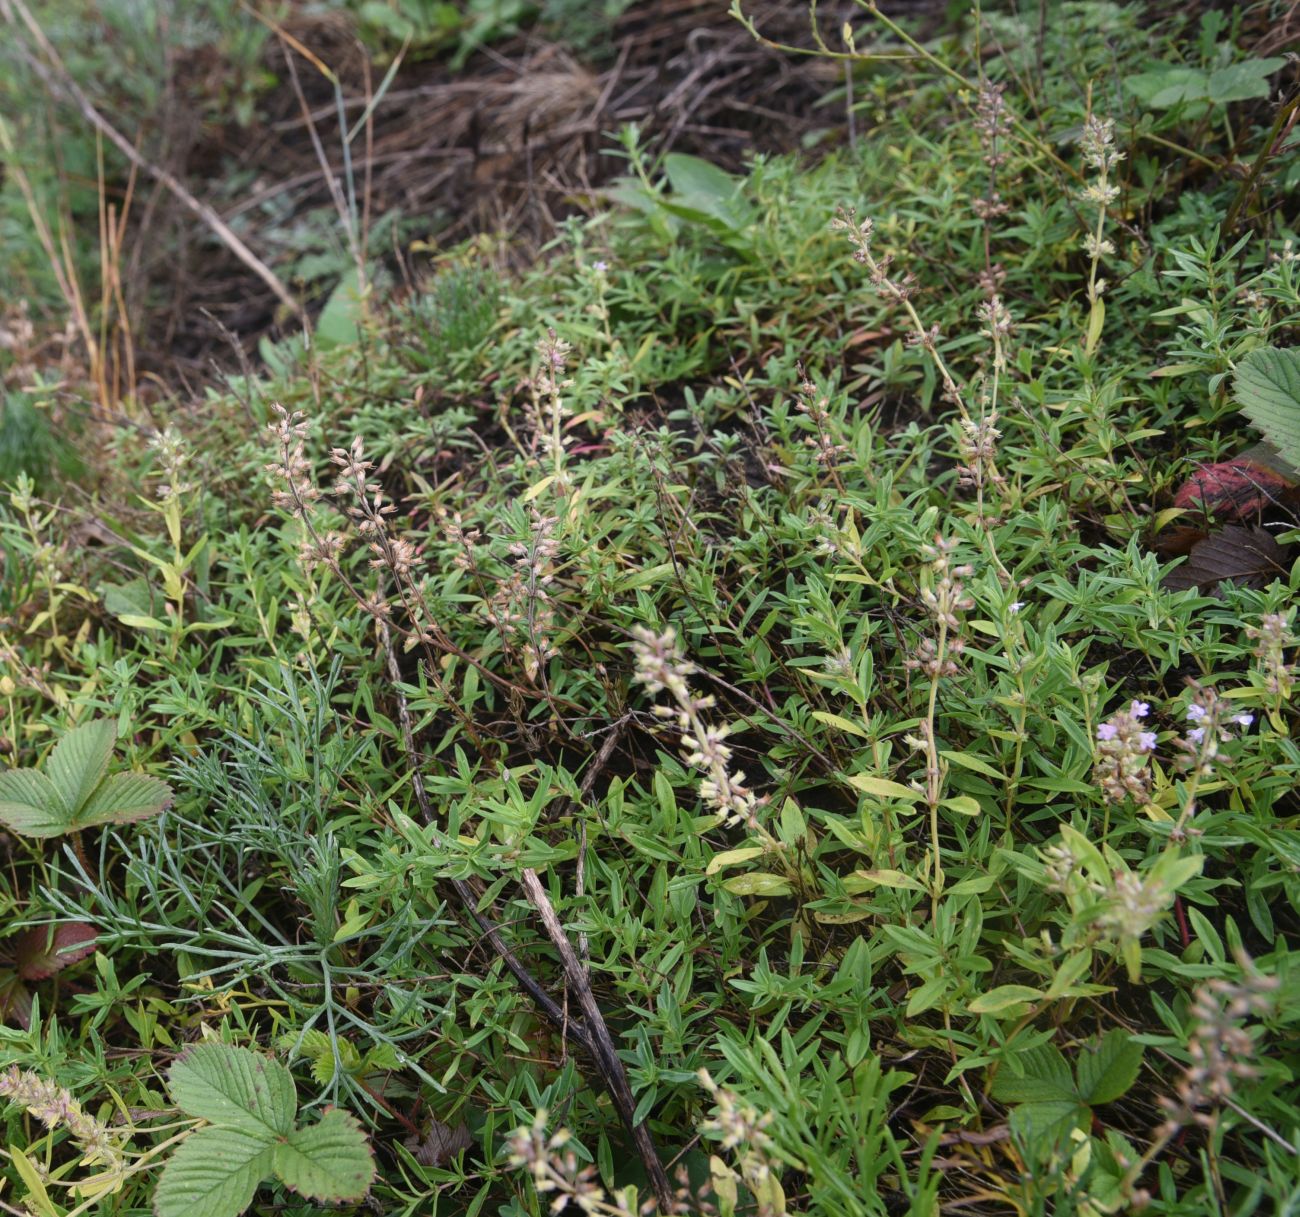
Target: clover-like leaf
{"type": "Point", "coordinates": [80, 760]}
{"type": "Point", "coordinates": [328, 1160]}
{"type": "Point", "coordinates": [214, 1173]}
{"type": "Point", "coordinates": [235, 1087]}
{"type": "Point", "coordinates": [30, 804]}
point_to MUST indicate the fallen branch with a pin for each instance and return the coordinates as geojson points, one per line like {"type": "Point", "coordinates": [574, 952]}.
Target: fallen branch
{"type": "Point", "coordinates": [590, 1031]}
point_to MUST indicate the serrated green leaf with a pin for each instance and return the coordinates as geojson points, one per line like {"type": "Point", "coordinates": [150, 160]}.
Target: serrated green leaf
{"type": "Point", "coordinates": [1242, 81]}
{"type": "Point", "coordinates": [30, 804]}
{"type": "Point", "coordinates": [1106, 1071]}
{"type": "Point", "coordinates": [1041, 1126]}
{"type": "Point", "coordinates": [80, 760]}
{"type": "Point", "coordinates": [1046, 1078]}
{"type": "Point", "coordinates": [329, 1160]}
{"type": "Point", "coordinates": [124, 798]}
{"type": "Point", "coordinates": [235, 1087]}
{"type": "Point", "coordinates": [214, 1173]}
{"type": "Point", "coordinates": [1267, 388]}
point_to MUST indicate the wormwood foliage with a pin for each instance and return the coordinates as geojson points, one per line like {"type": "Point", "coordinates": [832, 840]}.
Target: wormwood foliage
{"type": "Point", "coordinates": [765, 611]}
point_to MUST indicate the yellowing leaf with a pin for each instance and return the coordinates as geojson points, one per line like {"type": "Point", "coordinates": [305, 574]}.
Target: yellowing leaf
{"type": "Point", "coordinates": [733, 857]}
{"type": "Point", "coordinates": [884, 788]}
{"type": "Point", "coordinates": [841, 724]}
{"type": "Point", "coordinates": [1004, 998]}
{"type": "Point", "coordinates": [889, 878]}
{"type": "Point", "coordinates": [758, 884]}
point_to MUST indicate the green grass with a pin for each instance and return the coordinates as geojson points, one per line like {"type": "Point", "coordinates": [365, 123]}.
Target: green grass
{"type": "Point", "coordinates": [926, 930]}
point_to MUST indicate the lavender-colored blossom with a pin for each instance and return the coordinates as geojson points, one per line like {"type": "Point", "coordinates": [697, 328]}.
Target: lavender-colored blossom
{"type": "Point", "coordinates": [1107, 731]}
{"type": "Point", "coordinates": [1147, 741]}
{"type": "Point", "coordinates": [1196, 712]}
{"type": "Point", "coordinates": [1139, 709]}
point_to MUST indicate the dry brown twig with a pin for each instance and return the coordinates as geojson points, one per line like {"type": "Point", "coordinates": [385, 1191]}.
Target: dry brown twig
{"type": "Point", "coordinates": [57, 79]}
{"type": "Point", "coordinates": [590, 1031]}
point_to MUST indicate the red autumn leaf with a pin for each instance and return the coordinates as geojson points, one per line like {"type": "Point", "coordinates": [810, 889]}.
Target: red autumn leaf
{"type": "Point", "coordinates": [43, 950]}
{"type": "Point", "coordinates": [1246, 556]}
{"type": "Point", "coordinates": [15, 1002]}
{"type": "Point", "coordinates": [1234, 492]}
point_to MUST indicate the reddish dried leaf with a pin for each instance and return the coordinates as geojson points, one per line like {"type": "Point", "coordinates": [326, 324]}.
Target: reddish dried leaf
{"type": "Point", "coordinates": [440, 1145]}
{"type": "Point", "coordinates": [44, 950]}
{"type": "Point", "coordinates": [1248, 556]}
{"type": "Point", "coordinates": [15, 1002]}
{"type": "Point", "coordinates": [1237, 491]}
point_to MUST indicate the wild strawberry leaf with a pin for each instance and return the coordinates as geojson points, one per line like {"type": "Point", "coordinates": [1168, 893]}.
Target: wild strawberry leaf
{"type": "Point", "coordinates": [235, 1087]}
{"type": "Point", "coordinates": [30, 804]}
{"type": "Point", "coordinates": [43, 950]}
{"type": "Point", "coordinates": [328, 1160]}
{"type": "Point", "coordinates": [1267, 388]}
{"type": "Point", "coordinates": [1107, 1069]}
{"type": "Point", "coordinates": [1246, 556]}
{"type": "Point", "coordinates": [124, 798]}
{"type": "Point", "coordinates": [80, 760]}
{"type": "Point", "coordinates": [214, 1173]}
{"type": "Point", "coordinates": [15, 1001]}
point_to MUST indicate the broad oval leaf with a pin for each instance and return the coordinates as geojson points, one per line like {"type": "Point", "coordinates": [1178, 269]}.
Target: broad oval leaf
{"type": "Point", "coordinates": [80, 760]}
{"type": "Point", "coordinates": [124, 798]}
{"type": "Point", "coordinates": [214, 1173]}
{"type": "Point", "coordinates": [235, 1087]}
{"type": "Point", "coordinates": [30, 804]}
{"type": "Point", "coordinates": [329, 1160]}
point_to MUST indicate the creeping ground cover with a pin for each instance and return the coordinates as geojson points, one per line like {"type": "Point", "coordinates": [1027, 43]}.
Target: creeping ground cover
{"type": "Point", "coordinates": [784, 705]}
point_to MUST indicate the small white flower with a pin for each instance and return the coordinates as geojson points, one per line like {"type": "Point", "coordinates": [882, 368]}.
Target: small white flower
{"type": "Point", "coordinates": [1015, 606]}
